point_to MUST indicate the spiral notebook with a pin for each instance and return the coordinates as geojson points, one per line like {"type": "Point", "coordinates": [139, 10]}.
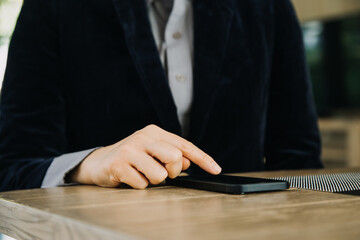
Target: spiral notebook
{"type": "Point", "coordinates": [346, 183]}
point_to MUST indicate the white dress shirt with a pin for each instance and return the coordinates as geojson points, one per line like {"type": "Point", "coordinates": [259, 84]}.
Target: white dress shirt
{"type": "Point", "coordinates": [174, 40]}
{"type": "Point", "coordinates": [172, 26]}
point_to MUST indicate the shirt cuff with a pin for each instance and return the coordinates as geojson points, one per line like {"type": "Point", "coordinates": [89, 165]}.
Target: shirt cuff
{"type": "Point", "coordinates": [62, 165]}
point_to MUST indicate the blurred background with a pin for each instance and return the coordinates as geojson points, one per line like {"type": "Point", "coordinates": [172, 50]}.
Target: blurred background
{"type": "Point", "coordinates": [332, 38]}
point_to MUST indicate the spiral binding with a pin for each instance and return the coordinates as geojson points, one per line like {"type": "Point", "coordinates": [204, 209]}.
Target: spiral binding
{"type": "Point", "coordinates": [336, 182]}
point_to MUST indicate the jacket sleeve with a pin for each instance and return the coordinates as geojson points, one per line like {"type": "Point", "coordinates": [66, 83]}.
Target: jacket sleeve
{"type": "Point", "coordinates": [61, 166]}
{"type": "Point", "coordinates": [32, 106]}
{"type": "Point", "coordinates": [292, 135]}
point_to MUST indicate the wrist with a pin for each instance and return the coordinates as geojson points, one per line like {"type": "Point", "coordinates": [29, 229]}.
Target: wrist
{"type": "Point", "coordinates": [82, 172]}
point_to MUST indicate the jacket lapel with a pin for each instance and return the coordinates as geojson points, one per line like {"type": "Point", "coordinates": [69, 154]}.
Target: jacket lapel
{"type": "Point", "coordinates": [212, 22]}
{"type": "Point", "coordinates": [133, 17]}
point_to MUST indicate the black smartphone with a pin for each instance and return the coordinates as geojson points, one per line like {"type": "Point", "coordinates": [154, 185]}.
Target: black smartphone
{"type": "Point", "coordinates": [229, 184]}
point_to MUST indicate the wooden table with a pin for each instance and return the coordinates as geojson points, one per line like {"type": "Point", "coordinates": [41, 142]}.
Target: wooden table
{"type": "Point", "coordinates": [89, 212]}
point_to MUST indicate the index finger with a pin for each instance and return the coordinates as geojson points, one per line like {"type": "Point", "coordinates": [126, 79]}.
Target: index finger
{"type": "Point", "coordinates": [191, 152]}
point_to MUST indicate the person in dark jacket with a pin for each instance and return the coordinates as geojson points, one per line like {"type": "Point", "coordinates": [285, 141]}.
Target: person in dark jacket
{"type": "Point", "coordinates": [128, 91]}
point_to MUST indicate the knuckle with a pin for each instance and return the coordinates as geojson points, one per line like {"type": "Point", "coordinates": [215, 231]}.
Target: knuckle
{"type": "Point", "coordinates": [186, 164]}
{"type": "Point", "coordinates": [159, 178]}
{"type": "Point", "coordinates": [140, 135]}
{"type": "Point", "coordinates": [174, 170]}
{"type": "Point", "coordinates": [176, 155]}
{"type": "Point", "coordinates": [151, 127]}
{"type": "Point", "coordinates": [174, 174]}
{"type": "Point", "coordinates": [126, 150]}
{"type": "Point", "coordinates": [187, 146]}
{"type": "Point", "coordinates": [153, 131]}
{"type": "Point", "coordinates": [141, 185]}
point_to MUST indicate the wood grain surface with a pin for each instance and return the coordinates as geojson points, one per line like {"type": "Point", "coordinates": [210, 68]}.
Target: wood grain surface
{"type": "Point", "coordinates": [89, 212]}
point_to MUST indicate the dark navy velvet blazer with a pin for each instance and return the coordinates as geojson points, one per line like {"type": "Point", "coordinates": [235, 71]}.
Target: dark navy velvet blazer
{"type": "Point", "coordinates": [86, 73]}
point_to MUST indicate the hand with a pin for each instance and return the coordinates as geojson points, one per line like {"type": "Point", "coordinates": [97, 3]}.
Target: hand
{"type": "Point", "coordinates": [150, 155]}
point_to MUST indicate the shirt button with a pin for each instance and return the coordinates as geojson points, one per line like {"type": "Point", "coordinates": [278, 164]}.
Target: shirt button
{"type": "Point", "coordinates": [176, 35]}
{"type": "Point", "coordinates": [180, 78]}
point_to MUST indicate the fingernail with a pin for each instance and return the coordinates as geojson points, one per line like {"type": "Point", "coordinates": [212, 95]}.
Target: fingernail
{"type": "Point", "coordinates": [216, 168]}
